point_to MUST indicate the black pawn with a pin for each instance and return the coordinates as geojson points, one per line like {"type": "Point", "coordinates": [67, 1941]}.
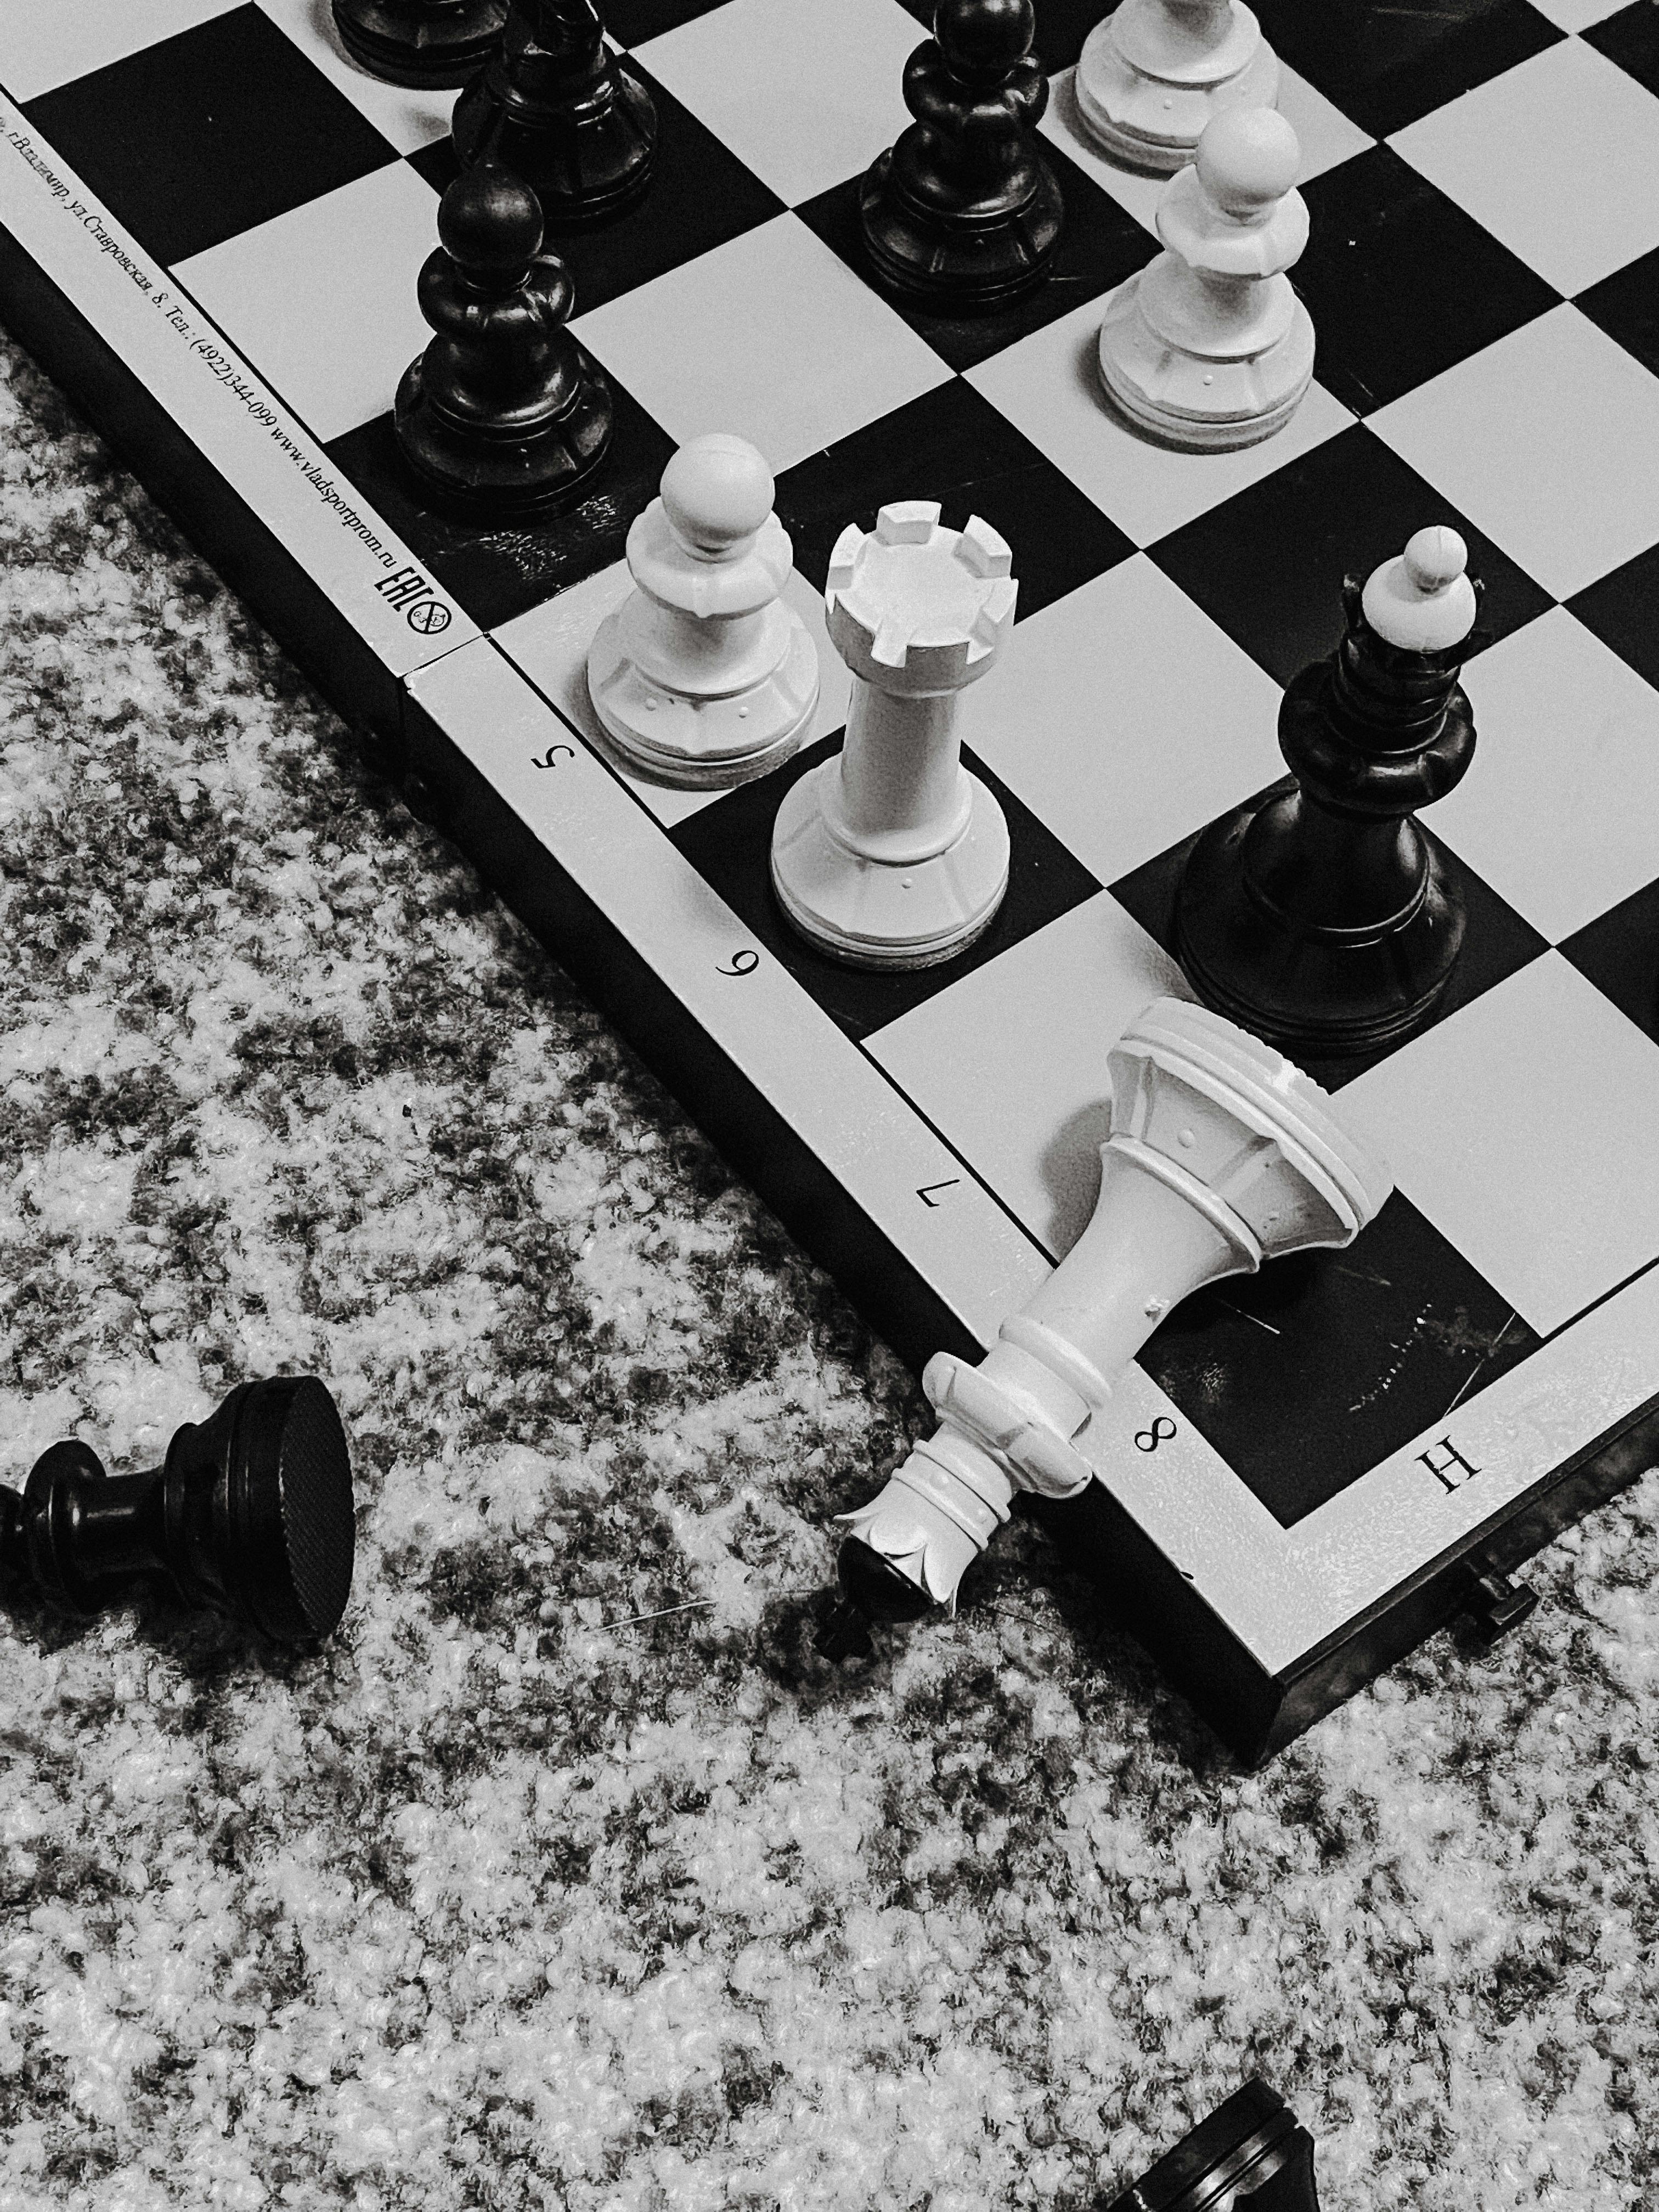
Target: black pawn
{"type": "Point", "coordinates": [250, 1516]}
{"type": "Point", "coordinates": [557, 108]}
{"type": "Point", "coordinates": [503, 414]}
{"type": "Point", "coordinates": [964, 212]}
{"type": "Point", "coordinates": [1252, 2155]}
{"type": "Point", "coordinates": [1323, 918]}
{"type": "Point", "coordinates": [421, 42]}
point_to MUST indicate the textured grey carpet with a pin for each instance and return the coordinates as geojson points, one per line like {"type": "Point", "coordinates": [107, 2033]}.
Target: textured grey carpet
{"type": "Point", "coordinates": [516, 1899]}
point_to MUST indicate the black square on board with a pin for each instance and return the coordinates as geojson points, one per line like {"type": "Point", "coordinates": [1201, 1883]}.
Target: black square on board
{"type": "Point", "coordinates": [1497, 942]}
{"type": "Point", "coordinates": [205, 136]}
{"type": "Point", "coordinates": [1099, 246]}
{"type": "Point", "coordinates": [1622, 608]}
{"type": "Point", "coordinates": [1308, 1374]}
{"type": "Point", "coordinates": [1267, 564]}
{"type": "Point", "coordinates": [1627, 304]}
{"type": "Point", "coordinates": [951, 445]}
{"type": "Point", "coordinates": [1631, 39]}
{"type": "Point", "coordinates": [631, 22]}
{"type": "Point", "coordinates": [1619, 952]}
{"type": "Point", "coordinates": [730, 845]}
{"type": "Point", "coordinates": [1385, 66]}
{"type": "Point", "coordinates": [496, 573]}
{"type": "Point", "coordinates": [701, 197]}
{"type": "Point", "coordinates": [1401, 282]}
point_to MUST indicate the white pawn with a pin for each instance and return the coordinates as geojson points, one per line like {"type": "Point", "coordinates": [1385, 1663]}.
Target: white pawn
{"type": "Point", "coordinates": [1423, 599]}
{"type": "Point", "coordinates": [703, 676]}
{"type": "Point", "coordinates": [1154, 72]}
{"type": "Point", "coordinates": [1208, 345]}
{"type": "Point", "coordinates": [892, 854]}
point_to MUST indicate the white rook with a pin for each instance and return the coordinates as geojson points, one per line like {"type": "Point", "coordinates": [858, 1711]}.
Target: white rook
{"type": "Point", "coordinates": [893, 855]}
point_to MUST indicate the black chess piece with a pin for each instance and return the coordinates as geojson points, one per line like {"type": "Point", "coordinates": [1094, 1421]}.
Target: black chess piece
{"type": "Point", "coordinates": [1251, 2154]}
{"type": "Point", "coordinates": [503, 414]}
{"type": "Point", "coordinates": [561, 110]}
{"type": "Point", "coordinates": [250, 1514]}
{"type": "Point", "coordinates": [421, 42]}
{"type": "Point", "coordinates": [964, 212]}
{"type": "Point", "coordinates": [1323, 917]}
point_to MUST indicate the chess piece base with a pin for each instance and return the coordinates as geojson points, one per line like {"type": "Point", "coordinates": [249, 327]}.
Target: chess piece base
{"type": "Point", "coordinates": [375, 33]}
{"type": "Point", "coordinates": [702, 742]}
{"type": "Point", "coordinates": [586, 165]}
{"type": "Point", "coordinates": [886, 914]}
{"type": "Point", "coordinates": [1208, 401]}
{"type": "Point", "coordinates": [536, 467]}
{"type": "Point", "coordinates": [1149, 114]}
{"type": "Point", "coordinates": [963, 262]}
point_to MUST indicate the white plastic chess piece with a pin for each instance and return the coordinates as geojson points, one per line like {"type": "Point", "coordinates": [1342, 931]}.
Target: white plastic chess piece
{"type": "Point", "coordinates": [1222, 1154]}
{"type": "Point", "coordinates": [1423, 599]}
{"type": "Point", "coordinates": [1153, 73]}
{"type": "Point", "coordinates": [703, 676]}
{"type": "Point", "coordinates": [1208, 345]}
{"type": "Point", "coordinates": [893, 855]}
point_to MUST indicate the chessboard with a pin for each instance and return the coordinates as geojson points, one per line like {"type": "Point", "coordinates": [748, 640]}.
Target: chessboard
{"type": "Point", "coordinates": [210, 224]}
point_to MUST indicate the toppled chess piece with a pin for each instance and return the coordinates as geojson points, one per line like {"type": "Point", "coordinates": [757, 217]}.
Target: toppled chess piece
{"type": "Point", "coordinates": [1208, 345]}
{"type": "Point", "coordinates": [504, 413]}
{"type": "Point", "coordinates": [251, 1515]}
{"type": "Point", "coordinates": [421, 42]}
{"type": "Point", "coordinates": [964, 212]}
{"type": "Point", "coordinates": [892, 854]}
{"type": "Point", "coordinates": [704, 676]}
{"type": "Point", "coordinates": [1221, 1155]}
{"type": "Point", "coordinates": [560, 109]}
{"type": "Point", "coordinates": [1323, 917]}
{"type": "Point", "coordinates": [1251, 2154]}
{"type": "Point", "coordinates": [1154, 73]}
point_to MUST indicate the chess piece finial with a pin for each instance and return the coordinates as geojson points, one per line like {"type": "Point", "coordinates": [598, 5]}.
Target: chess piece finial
{"type": "Point", "coordinates": [964, 212]}
{"type": "Point", "coordinates": [1324, 917]}
{"type": "Point", "coordinates": [705, 675]}
{"type": "Point", "coordinates": [504, 413]}
{"type": "Point", "coordinates": [1222, 1154]}
{"type": "Point", "coordinates": [251, 1515]}
{"type": "Point", "coordinates": [1208, 346]}
{"type": "Point", "coordinates": [560, 109]}
{"type": "Point", "coordinates": [1154, 74]}
{"type": "Point", "coordinates": [428, 43]}
{"type": "Point", "coordinates": [892, 854]}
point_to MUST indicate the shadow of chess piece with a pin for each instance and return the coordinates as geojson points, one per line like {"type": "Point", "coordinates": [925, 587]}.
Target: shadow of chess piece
{"type": "Point", "coordinates": [1251, 2154]}
{"type": "Point", "coordinates": [561, 110]}
{"type": "Point", "coordinates": [503, 414]}
{"type": "Point", "coordinates": [250, 1514]}
{"type": "Point", "coordinates": [964, 212]}
{"type": "Point", "coordinates": [429, 43]}
{"type": "Point", "coordinates": [1323, 918]}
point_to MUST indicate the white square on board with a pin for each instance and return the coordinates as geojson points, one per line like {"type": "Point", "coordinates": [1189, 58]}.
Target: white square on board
{"type": "Point", "coordinates": [322, 300]}
{"type": "Point", "coordinates": [1557, 811]}
{"type": "Point", "coordinates": [1125, 718]}
{"type": "Point", "coordinates": [549, 644]}
{"type": "Point", "coordinates": [1548, 441]}
{"type": "Point", "coordinates": [755, 70]}
{"type": "Point", "coordinates": [405, 116]}
{"type": "Point", "coordinates": [44, 43]}
{"type": "Point", "coordinates": [1557, 158]}
{"type": "Point", "coordinates": [769, 336]}
{"type": "Point", "coordinates": [1523, 1127]}
{"type": "Point", "coordinates": [1576, 15]}
{"type": "Point", "coordinates": [1048, 387]}
{"type": "Point", "coordinates": [1009, 1063]}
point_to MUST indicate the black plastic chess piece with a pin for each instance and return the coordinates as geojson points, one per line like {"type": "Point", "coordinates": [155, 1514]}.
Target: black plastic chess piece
{"type": "Point", "coordinates": [1252, 2155]}
{"type": "Point", "coordinates": [503, 414]}
{"type": "Point", "coordinates": [251, 1515]}
{"type": "Point", "coordinates": [1323, 918]}
{"type": "Point", "coordinates": [964, 212]}
{"type": "Point", "coordinates": [421, 42]}
{"type": "Point", "coordinates": [561, 110]}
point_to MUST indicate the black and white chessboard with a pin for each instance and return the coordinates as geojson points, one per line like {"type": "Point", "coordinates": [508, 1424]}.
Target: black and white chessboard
{"type": "Point", "coordinates": [212, 222]}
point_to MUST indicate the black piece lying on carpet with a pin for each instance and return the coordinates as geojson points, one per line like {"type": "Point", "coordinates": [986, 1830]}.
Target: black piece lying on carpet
{"type": "Point", "coordinates": [251, 1514]}
{"type": "Point", "coordinates": [1252, 2155]}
